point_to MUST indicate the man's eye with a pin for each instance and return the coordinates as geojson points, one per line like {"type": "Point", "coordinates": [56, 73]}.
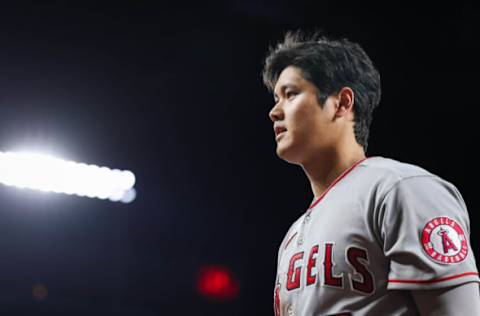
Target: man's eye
{"type": "Point", "coordinates": [290, 94]}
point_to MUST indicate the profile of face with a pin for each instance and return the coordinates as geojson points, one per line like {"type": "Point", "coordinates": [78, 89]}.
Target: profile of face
{"type": "Point", "coordinates": [303, 129]}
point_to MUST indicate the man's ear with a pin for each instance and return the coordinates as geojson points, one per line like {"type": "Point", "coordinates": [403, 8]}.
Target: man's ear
{"type": "Point", "coordinates": [346, 99]}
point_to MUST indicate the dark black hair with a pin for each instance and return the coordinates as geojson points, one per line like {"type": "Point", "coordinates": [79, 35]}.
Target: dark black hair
{"type": "Point", "coordinates": [330, 65]}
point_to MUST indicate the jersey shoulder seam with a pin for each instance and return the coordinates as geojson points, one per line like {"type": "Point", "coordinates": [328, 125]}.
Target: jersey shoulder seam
{"type": "Point", "coordinates": [403, 179]}
{"type": "Point", "coordinates": [396, 183]}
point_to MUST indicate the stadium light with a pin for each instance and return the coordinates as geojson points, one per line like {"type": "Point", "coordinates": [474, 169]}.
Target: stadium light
{"type": "Point", "coordinates": [46, 173]}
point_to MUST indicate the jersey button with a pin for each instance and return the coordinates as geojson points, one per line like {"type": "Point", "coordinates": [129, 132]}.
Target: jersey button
{"type": "Point", "coordinates": [307, 218]}
{"type": "Point", "coordinates": [300, 240]}
{"type": "Point", "coordinates": [290, 311]}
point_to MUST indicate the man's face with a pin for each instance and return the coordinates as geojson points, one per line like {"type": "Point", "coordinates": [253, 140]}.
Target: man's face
{"type": "Point", "coordinates": [302, 128]}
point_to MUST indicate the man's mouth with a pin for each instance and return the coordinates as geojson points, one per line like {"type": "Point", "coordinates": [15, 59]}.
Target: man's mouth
{"type": "Point", "coordinates": [279, 130]}
{"type": "Point", "coordinates": [280, 135]}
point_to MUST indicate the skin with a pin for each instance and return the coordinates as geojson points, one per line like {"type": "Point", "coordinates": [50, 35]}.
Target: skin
{"type": "Point", "coordinates": [319, 139]}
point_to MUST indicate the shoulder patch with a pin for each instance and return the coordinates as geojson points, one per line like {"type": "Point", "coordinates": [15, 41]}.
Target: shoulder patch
{"type": "Point", "coordinates": [444, 240]}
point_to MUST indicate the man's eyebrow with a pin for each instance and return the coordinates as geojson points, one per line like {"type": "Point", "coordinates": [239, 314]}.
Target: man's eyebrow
{"type": "Point", "coordinates": [284, 87]}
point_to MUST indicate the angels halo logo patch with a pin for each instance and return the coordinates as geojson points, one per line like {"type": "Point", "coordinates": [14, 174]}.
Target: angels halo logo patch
{"type": "Point", "coordinates": [444, 241]}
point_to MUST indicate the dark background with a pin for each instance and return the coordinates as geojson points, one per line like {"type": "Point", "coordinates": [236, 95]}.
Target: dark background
{"type": "Point", "coordinates": [172, 91]}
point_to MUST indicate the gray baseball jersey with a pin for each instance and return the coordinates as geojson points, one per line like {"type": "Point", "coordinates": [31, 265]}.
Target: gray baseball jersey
{"type": "Point", "coordinates": [381, 226]}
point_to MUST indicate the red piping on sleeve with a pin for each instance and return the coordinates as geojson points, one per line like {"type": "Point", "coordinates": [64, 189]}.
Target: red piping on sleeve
{"type": "Point", "coordinates": [434, 280]}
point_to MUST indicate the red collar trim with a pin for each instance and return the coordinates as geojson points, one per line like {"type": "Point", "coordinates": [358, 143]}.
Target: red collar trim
{"type": "Point", "coordinates": [340, 177]}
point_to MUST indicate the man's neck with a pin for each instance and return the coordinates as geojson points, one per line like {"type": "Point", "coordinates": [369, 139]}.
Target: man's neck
{"type": "Point", "coordinates": [323, 171]}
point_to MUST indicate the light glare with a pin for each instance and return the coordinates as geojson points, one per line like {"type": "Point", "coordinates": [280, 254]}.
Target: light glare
{"type": "Point", "coordinates": [50, 174]}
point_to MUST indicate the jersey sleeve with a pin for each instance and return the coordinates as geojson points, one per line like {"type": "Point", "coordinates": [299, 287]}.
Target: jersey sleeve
{"type": "Point", "coordinates": [425, 231]}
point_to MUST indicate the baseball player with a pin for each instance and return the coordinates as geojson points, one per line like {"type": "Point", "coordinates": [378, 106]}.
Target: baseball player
{"type": "Point", "coordinates": [381, 237]}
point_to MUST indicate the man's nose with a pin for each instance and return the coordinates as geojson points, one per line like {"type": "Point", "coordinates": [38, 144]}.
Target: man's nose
{"type": "Point", "coordinates": [276, 113]}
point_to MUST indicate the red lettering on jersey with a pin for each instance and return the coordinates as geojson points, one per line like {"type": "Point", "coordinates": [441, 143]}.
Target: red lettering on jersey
{"type": "Point", "coordinates": [311, 263]}
{"type": "Point", "coordinates": [292, 271]}
{"type": "Point", "coordinates": [366, 285]}
{"type": "Point", "coordinates": [329, 278]}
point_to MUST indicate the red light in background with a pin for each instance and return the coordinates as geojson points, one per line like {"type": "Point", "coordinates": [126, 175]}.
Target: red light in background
{"type": "Point", "coordinates": [39, 292]}
{"type": "Point", "coordinates": [216, 282]}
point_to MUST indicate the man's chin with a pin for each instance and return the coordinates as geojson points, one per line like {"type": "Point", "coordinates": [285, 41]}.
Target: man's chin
{"type": "Point", "coordinates": [281, 151]}
{"type": "Point", "coordinates": [285, 153]}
